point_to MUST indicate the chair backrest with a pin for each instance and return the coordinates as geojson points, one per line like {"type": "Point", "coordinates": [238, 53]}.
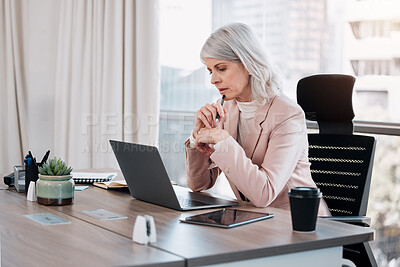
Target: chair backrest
{"type": "Point", "coordinates": [341, 162]}
{"type": "Point", "coordinates": [341, 166]}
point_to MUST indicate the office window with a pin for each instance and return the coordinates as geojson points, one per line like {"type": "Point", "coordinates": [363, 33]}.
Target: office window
{"type": "Point", "coordinates": [370, 98]}
{"type": "Point", "coordinates": [383, 205]}
{"type": "Point", "coordinates": [185, 85]}
{"type": "Point", "coordinates": [396, 26]}
{"type": "Point", "coordinates": [375, 67]}
{"type": "Point", "coordinates": [303, 37]}
{"type": "Point", "coordinates": [371, 29]}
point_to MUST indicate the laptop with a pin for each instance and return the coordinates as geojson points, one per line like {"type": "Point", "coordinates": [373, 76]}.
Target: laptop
{"type": "Point", "coordinates": [148, 180]}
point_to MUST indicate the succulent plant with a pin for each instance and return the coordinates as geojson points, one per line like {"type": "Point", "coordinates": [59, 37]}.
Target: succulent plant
{"type": "Point", "coordinates": [55, 167]}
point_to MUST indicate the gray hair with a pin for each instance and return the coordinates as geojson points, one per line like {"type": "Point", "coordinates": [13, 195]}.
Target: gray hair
{"type": "Point", "coordinates": [237, 42]}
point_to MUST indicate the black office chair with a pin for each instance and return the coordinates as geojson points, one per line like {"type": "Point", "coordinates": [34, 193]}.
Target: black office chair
{"type": "Point", "coordinates": [341, 162]}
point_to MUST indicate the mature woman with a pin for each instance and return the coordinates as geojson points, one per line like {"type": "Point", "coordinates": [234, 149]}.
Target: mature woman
{"type": "Point", "coordinates": [260, 139]}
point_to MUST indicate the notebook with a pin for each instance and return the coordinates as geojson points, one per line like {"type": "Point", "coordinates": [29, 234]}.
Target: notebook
{"type": "Point", "coordinates": [148, 180]}
{"type": "Point", "coordinates": [92, 177]}
{"type": "Point", "coordinates": [111, 184]}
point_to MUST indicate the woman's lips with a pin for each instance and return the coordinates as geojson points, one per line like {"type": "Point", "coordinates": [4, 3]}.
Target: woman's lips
{"type": "Point", "coordinates": [223, 90]}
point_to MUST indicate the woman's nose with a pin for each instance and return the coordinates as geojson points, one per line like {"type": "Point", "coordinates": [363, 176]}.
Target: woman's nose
{"type": "Point", "coordinates": [214, 78]}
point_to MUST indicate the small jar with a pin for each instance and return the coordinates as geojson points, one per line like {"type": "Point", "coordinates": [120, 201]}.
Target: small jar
{"type": "Point", "coordinates": [55, 190]}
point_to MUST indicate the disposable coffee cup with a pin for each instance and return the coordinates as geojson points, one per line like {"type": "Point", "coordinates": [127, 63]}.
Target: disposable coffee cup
{"type": "Point", "coordinates": [304, 204]}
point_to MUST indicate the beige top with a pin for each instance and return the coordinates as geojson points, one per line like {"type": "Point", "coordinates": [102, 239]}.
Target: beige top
{"type": "Point", "coordinates": [246, 111]}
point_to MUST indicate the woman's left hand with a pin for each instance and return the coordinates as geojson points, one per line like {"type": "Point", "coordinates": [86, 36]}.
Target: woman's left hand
{"type": "Point", "coordinates": [207, 137]}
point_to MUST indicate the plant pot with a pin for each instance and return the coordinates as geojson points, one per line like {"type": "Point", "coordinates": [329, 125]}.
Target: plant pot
{"type": "Point", "coordinates": [55, 190]}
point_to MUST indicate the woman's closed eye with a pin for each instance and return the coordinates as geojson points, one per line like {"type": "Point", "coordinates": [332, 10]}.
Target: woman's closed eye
{"type": "Point", "coordinates": [218, 69]}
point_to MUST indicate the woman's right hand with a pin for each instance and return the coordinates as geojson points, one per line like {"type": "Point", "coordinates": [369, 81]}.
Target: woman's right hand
{"type": "Point", "coordinates": [206, 117]}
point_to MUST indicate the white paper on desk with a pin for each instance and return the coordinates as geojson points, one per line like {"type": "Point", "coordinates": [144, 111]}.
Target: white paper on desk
{"type": "Point", "coordinates": [94, 175]}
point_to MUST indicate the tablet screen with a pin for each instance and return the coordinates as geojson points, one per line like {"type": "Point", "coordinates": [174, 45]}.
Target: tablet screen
{"type": "Point", "coordinates": [227, 218]}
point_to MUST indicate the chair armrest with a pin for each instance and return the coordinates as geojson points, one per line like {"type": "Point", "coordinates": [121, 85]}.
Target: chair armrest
{"type": "Point", "coordinates": [356, 220]}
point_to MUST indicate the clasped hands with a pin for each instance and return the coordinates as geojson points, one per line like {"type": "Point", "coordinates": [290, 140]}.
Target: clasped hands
{"type": "Point", "coordinates": [204, 131]}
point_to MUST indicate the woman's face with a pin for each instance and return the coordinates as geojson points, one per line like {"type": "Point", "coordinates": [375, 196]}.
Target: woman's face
{"type": "Point", "coordinates": [230, 78]}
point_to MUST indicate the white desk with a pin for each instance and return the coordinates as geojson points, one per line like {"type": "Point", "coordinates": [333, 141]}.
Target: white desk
{"type": "Point", "coordinates": [270, 240]}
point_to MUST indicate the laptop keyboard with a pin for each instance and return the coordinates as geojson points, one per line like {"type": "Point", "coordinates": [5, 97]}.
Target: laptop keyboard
{"type": "Point", "coordinates": [185, 202]}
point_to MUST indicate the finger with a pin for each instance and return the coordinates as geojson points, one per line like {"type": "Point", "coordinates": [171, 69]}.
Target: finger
{"type": "Point", "coordinates": [207, 135]}
{"type": "Point", "coordinates": [199, 145]}
{"type": "Point", "coordinates": [212, 113]}
{"type": "Point", "coordinates": [206, 149]}
{"type": "Point", "coordinates": [212, 109]}
{"type": "Point", "coordinates": [212, 131]}
{"type": "Point", "coordinates": [203, 131]}
{"type": "Point", "coordinates": [207, 115]}
{"type": "Point", "coordinates": [198, 124]}
{"type": "Point", "coordinates": [198, 121]}
{"type": "Point", "coordinates": [202, 148]}
{"type": "Point", "coordinates": [205, 138]}
{"type": "Point", "coordinates": [220, 109]}
{"type": "Point", "coordinates": [204, 119]}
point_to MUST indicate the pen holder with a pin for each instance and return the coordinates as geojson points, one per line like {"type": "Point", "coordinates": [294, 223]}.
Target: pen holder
{"type": "Point", "coordinates": [31, 174]}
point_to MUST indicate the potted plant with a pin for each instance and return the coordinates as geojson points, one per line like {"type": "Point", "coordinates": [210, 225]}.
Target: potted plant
{"type": "Point", "coordinates": [55, 185]}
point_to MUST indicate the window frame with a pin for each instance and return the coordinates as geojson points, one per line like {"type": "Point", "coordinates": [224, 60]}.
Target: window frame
{"type": "Point", "coordinates": [360, 126]}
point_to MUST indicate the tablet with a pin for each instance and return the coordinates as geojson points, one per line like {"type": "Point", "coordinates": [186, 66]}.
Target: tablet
{"type": "Point", "coordinates": [227, 218]}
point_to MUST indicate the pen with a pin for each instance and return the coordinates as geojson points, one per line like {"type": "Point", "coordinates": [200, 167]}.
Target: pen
{"type": "Point", "coordinates": [28, 161]}
{"type": "Point", "coordinates": [46, 156]}
{"type": "Point", "coordinates": [222, 102]}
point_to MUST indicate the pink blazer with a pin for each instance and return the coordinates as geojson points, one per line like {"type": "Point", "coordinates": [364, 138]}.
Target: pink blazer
{"type": "Point", "coordinates": [274, 156]}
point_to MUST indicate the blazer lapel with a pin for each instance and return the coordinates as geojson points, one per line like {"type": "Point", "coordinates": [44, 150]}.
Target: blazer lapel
{"type": "Point", "coordinates": [256, 129]}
